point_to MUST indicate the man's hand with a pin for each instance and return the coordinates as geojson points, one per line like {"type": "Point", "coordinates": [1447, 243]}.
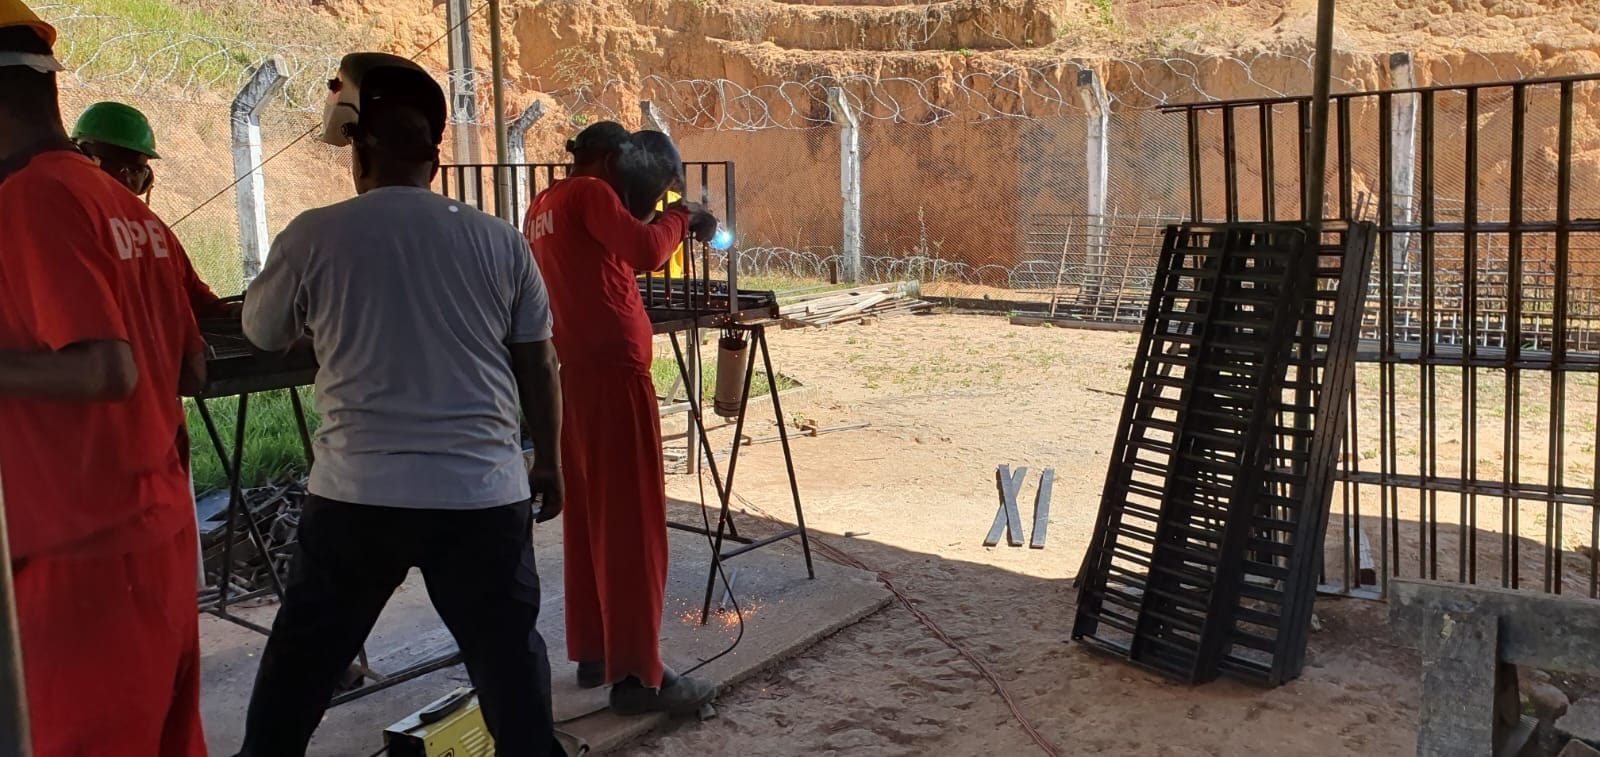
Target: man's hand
{"type": "Point", "coordinates": [548, 489]}
{"type": "Point", "coordinates": [702, 224]}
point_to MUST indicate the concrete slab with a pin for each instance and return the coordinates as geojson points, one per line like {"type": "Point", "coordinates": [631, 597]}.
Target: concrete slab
{"type": "Point", "coordinates": [784, 614]}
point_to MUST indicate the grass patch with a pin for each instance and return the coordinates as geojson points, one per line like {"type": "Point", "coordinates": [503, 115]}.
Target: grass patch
{"type": "Point", "coordinates": [215, 254]}
{"type": "Point", "coordinates": [663, 370]}
{"type": "Point", "coordinates": [211, 43]}
{"type": "Point", "coordinates": [272, 440]}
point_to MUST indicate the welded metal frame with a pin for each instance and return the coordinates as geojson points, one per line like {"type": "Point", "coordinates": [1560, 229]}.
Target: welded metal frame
{"type": "Point", "coordinates": [1429, 318]}
{"type": "Point", "coordinates": [1225, 468]}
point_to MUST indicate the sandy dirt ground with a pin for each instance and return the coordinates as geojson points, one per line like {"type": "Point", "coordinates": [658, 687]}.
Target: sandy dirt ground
{"type": "Point", "coordinates": [948, 398]}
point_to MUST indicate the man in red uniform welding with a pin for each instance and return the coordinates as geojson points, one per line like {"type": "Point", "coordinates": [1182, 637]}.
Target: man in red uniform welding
{"type": "Point", "coordinates": [96, 340]}
{"type": "Point", "coordinates": [588, 245]}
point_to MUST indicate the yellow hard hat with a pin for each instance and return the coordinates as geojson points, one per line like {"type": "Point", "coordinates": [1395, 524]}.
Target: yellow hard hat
{"type": "Point", "coordinates": [14, 13]}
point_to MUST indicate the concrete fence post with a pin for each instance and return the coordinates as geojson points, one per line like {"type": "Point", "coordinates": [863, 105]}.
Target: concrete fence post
{"type": "Point", "coordinates": [517, 156]}
{"type": "Point", "coordinates": [652, 118]}
{"type": "Point", "coordinates": [249, 188]}
{"type": "Point", "coordinates": [1402, 169]}
{"type": "Point", "coordinates": [463, 91]}
{"type": "Point", "coordinates": [1096, 158]}
{"type": "Point", "coordinates": [849, 184]}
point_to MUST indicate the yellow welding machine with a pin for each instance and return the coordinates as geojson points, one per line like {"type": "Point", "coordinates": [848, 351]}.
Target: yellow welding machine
{"type": "Point", "coordinates": [450, 727]}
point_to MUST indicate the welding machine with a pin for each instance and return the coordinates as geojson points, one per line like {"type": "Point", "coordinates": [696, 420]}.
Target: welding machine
{"type": "Point", "coordinates": [450, 727]}
{"type": "Point", "coordinates": [453, 727]}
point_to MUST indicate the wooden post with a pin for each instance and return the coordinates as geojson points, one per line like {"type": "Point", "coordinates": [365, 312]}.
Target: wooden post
{"type": "Point", "coordinates": [1321, 81]}
{"type": "Point", "coordinates": [849, 185]}
{"type": "Point", "coordinates": [497, 63]}
{"type": "Point", "coordinates": [463, 91]}
{"type": "Point", "coordinates": [1096, 157]}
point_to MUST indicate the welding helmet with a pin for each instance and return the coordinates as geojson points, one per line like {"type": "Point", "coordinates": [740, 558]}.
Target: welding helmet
{"type": "Point", "coordinates": [14, 13]}
{"type": "Point", "coordinates": [366, 78]}
{"type": "Point", "coordinates": [646, 168]}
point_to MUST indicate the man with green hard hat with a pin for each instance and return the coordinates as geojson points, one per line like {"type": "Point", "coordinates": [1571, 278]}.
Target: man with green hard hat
{"type": "Point", "coordinates": [120, 139]}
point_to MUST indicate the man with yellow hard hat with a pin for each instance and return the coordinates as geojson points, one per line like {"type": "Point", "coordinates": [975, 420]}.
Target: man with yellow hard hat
{"type": "Point", "coordinates": [96, 340]}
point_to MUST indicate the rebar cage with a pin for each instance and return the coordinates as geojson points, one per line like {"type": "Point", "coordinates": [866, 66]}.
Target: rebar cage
{"type": "Point", "coordinates": [1472, 446]}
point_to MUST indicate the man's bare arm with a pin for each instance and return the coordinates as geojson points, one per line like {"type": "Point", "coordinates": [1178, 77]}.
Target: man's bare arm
{"type": "Point", "coordinates": [538, 377]}
{"type": "Point", "coordinates": [100, 370]}
{"type": "Point", "coordinates": [192, 375]}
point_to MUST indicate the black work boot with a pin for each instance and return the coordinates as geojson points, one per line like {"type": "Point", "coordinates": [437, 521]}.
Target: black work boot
{"type": "Point", "coordinates": [591, 675]}
{"type": "Point", "coordinates": [679, 695]}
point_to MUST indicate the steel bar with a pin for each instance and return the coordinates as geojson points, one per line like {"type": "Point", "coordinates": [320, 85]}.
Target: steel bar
{"type": "Point", "coordinates": [1321, 82]}
{"type": "Point", "coordinates": [1389, 504]}
{"type": "Point", "coordinates": [1230, 166]}
{"type": "Point", "coordinates": [1429, 373]}
{"type": "Point", "coordinates": [1269, 186]}
{"type": "Point", "coordinates": [1558, 376]}
{"type": "Point", "coordinates": [1197, 208]}
{"type": "Point", "coordinates": [1467, 565]}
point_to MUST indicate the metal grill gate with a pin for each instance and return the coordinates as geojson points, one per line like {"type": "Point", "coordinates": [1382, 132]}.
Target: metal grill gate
{"type": "Point", "coordinates": [1473, 444]}
{"type": "Point", "coordinates": [1202, 557]}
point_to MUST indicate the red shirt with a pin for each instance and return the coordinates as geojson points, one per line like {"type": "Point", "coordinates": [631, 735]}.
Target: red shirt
{"type": "Point", "coordinates": [588, 248]}
{"type": "Point", "coordinates": [82, 259]}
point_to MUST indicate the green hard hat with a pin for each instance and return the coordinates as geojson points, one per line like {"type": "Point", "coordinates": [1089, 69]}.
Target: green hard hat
{"type": "Point", "coordinates": [116, 124]}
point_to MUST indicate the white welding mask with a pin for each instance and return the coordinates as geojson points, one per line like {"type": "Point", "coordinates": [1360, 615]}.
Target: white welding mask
{"type": "Point", "coordinates": [342, 111]}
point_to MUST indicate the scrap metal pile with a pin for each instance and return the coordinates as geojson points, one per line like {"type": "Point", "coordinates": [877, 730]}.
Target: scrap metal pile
{"type": "Point", "coordinates": [1207, 548]}
{"type": "Point", "coordinates": [276, 511]}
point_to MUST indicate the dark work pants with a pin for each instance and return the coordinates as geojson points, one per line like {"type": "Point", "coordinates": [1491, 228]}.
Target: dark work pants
{"type": "Point", "coordinates": [480, 574]}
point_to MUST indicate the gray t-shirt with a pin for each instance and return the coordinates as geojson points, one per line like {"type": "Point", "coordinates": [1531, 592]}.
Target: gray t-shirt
{"type": "Point", "coordinates": [411, 299]}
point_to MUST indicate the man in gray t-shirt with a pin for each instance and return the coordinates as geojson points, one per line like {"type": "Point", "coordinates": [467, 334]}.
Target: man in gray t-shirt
{"type": "Point", "coordinates": [432, 331]}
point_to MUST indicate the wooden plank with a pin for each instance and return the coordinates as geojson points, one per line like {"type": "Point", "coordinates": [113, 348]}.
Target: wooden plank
{"type": "Point", "coordinates": [866, 302]}
{"type": "Point", "coordinates": [1041, 509]}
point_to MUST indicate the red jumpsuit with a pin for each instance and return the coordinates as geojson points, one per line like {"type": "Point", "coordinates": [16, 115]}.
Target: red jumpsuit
{"type": "Point", "coordinates": [98, 509]}
{"type": "Point", "coordinates": [588, 247]}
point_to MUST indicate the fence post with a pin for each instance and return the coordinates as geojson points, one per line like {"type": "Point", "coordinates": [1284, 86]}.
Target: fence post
{"type": "Point", "coordinates": [517, 155]}
{"type": "Point", "coordinates": [249, 188]}
{"type": "Point", "coordinates": [1402, 171]}
{"type": "Point", "coordinates": [849, 184]}
{"type": "Point", "coordinates": [1096, 156]}
{"type": "Point", "coordinates": [463, 92]}
{"type": "Point", "coordinates": [652, 117]}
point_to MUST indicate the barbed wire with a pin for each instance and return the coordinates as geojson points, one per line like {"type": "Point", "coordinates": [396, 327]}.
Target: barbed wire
{"type": "Point", "coordinates": [110, 52]}
{"type": "Point", "coordinates": [1007, 91]}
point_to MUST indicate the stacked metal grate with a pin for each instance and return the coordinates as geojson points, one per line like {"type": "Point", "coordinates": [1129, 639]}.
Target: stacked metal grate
{"type": "Point", "coordinates": [1204, 558]}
